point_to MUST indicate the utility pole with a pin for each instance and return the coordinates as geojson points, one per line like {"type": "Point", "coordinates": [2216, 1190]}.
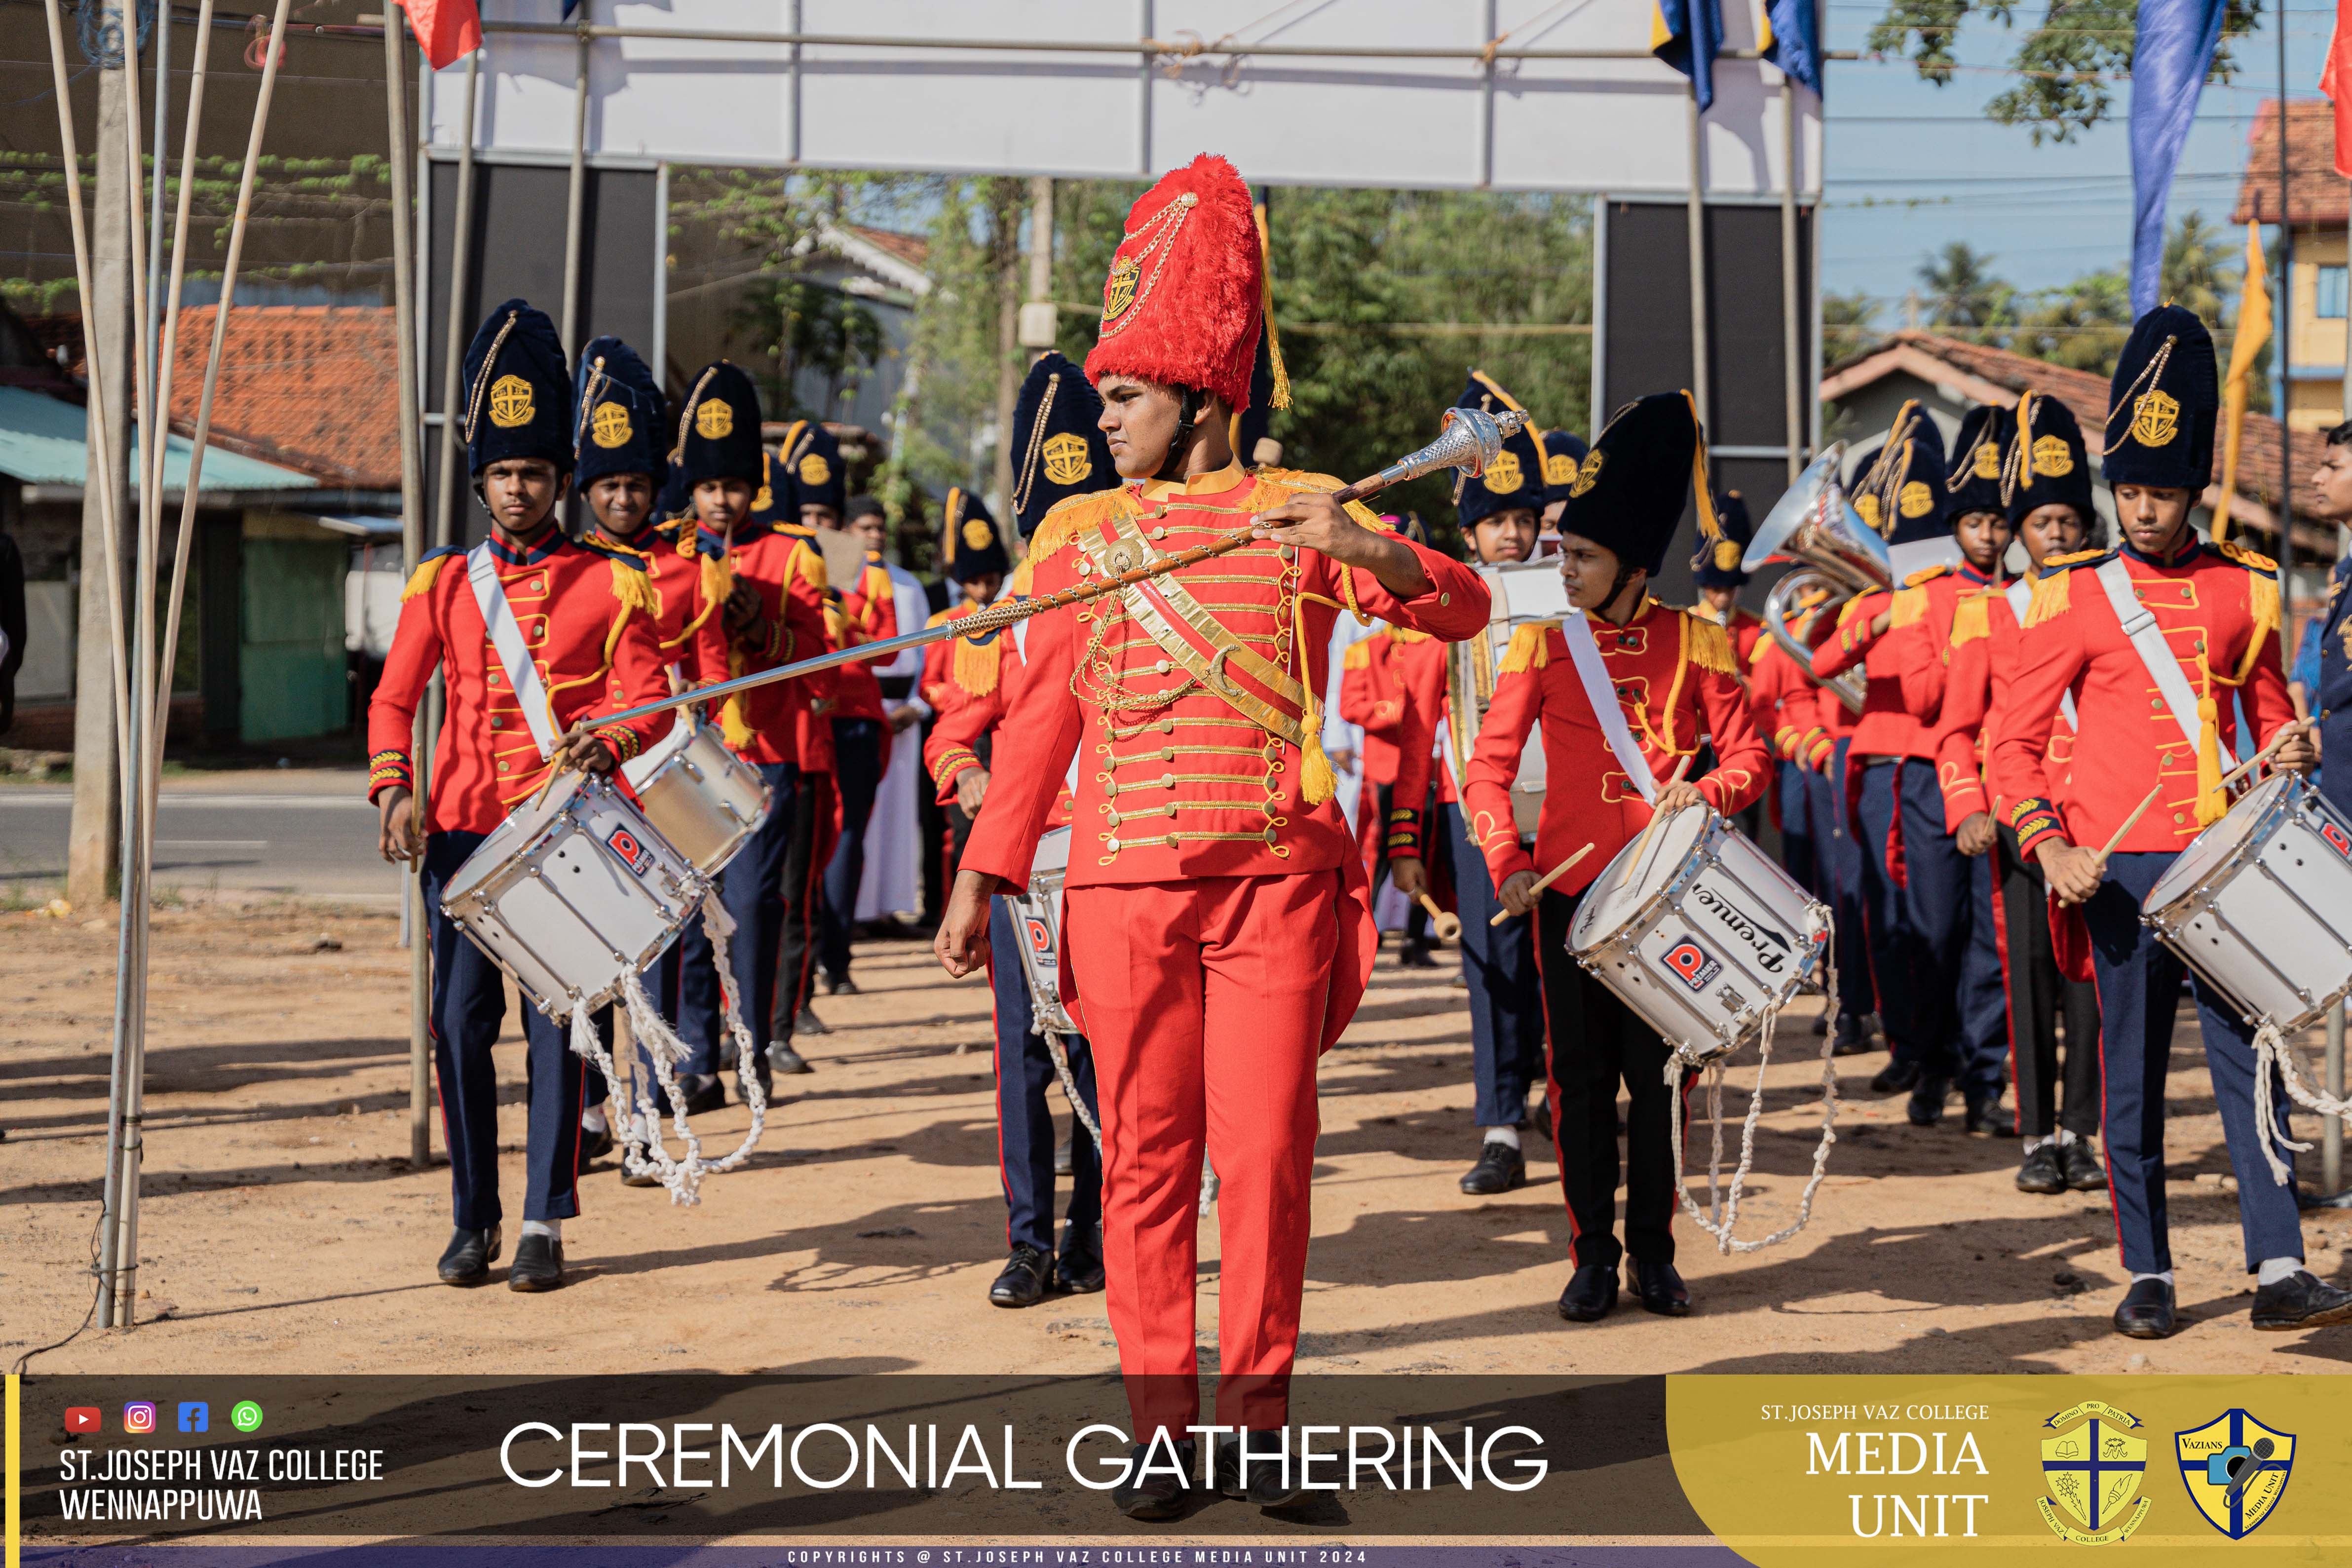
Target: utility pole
{"type": "Point", "coordinates": [93, 856]}
{"type": "Point", "coordinates": [1008, 343]}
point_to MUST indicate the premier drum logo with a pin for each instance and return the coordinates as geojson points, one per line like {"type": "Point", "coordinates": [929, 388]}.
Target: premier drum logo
{"type": "Point", "coordinates": [1041, 936]}
{"type": "Point", "coordinates": [631, 849]}
{"type": "Point", "coordinates": [2337, 839]}
{"type": "Point", "coordinates": [1696, 966]}
{"type": "Point", "coordinates": [1770, 950]}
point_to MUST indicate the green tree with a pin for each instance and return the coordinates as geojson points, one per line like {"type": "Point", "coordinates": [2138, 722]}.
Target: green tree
{"type": "Point", "coordinates": [2081, 325]}
{"type": "Point", "coordinates": [1849, 325]}
{"type": "Point", "coordinates": [1963, 297]}
{"type": "Point", "coordinates": [2065, 65]}
{"type": "Point", "coordinates": [2200, 267]}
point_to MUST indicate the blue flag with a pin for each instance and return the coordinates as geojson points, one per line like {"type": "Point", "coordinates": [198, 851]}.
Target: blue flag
{"type": "Point", "coordinates": [1791, 40]}
{"type": "Point", "coordinates": [1685, 34]}
{"type": "Point", "coordinates": [2170, 63]}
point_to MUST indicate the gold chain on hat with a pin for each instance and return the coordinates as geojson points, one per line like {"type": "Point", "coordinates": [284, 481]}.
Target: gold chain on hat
{"type": "Point", "coordinates": [482, 380]}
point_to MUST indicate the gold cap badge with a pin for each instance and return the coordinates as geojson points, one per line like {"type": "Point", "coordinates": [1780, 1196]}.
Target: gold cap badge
{"type": "Point", "coordinates": [713, 419]}
{"type": "Point", "coordinates": [1119, 289]}
{"type": "Point", "coordinates": [1588, 475]}
{"type": "Point", "coordinates": [1066, 459]}
{"type": "Point", "coordinates": [815, 470]}
{"type": "Point", "coordinates": [1559, 467]}
{"type": "Point", "coordinates": [2155, 417]}
{"type": "Point", "coordinates": [976, 534]}
{"type": "Point", "coordinates": [1503, 476]}
{"type": "Point", "coordinates": [510, 403]}
{"type": "Point", "coordinates": [1988, 460]}
{"type": "Point", "coordinates": [610, 425]}
{"type": "Point", "coordinates": [2051, 460]}
{"type": "Point", "coordinates": [1915, 500]}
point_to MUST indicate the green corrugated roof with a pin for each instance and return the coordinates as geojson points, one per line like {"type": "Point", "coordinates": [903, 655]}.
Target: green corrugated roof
{"type": "Point", "coordinates": [43, 442]}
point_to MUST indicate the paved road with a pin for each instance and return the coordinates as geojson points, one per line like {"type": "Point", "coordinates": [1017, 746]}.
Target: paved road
{"type": "Point", "coordinates": [314, 844]}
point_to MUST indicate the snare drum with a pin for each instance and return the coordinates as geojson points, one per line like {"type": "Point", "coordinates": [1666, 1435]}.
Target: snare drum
{"type": "Point", "coordinates": [698, 795]}
{"type": "Point", "coordinates": [2260, 904]}
{"type": "Point", "coordinates": [573, 894]}
{"type": "Point", "coordinates": [1701, 934]}
{"type": "Point", "coordinates": [1038, 925]}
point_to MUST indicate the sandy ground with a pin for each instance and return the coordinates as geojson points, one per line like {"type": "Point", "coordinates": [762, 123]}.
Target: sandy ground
{"type": "Point", "coordinates": [283, 1229]}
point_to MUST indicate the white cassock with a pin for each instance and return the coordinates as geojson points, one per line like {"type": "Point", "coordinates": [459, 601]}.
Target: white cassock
{"type": "Point", "coordinates": [893, 884]}
{"type": "Point", "coordinates": [1338, 735]}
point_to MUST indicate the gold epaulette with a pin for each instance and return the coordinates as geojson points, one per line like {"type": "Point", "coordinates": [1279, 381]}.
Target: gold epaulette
{"type": "Point", "coordinates": [1297, 481]}
{"type": "Point", "coordinates": [1910, 607]}
{"type": "Point", "coordinates": [1709, 645]}
{"type": "Point", "coordinates": [1764, 644]}
{"type": "Point", "coordinates": [2262, 597]}
{"type": "Point", "coordinates": [1972, 619]}
{"type": "Point", "coordinates": [1853, 607]}
{"type": "Point", "coordinates": [2246, 558]}
{"type": "Point", "coordinates": [633, 588]}
{"type": "Point", "coordinates": [1071, 513]}
{"type": "Point", "coordinates": [428, 572]}
{"type": "Point", "coordinates": [1925, 575]}
{"type": "Point", "coordinates": [941, 617]}
{"type": "Point", "coordinates": [1530, 649]}
{"type": "Point", "coordinates": [2051, 597]}
{"type": "Point", "coordinates": [807, 561]}
{"type": "Point", "coordinates": [1358, 655]}
{"type": "Point", "coordinates": [2072, 558]}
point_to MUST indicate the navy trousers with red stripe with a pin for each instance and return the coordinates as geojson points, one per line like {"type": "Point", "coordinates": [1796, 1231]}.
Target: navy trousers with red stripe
{"type": "Point", "coordinates": [1024, 1122]}
{"type": "Point", "coordinates": [469, 1007]}
{"type": "Point", "coordinates": [1593, 1041]}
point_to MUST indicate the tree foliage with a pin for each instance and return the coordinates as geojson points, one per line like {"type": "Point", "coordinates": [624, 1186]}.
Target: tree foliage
{"type": "Point", "coordinates": [2066, 65]}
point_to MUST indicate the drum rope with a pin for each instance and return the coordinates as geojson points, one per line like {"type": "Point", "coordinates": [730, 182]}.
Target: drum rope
{"type": "Point", "coordinates": [1060, 1053]}
{"type": "Point", "coordinates": [2272, 1053]}
{"type": "Point", "coordinates": [1723, 1206]}
{"type": "Point", "coordinates": [676, 1175]}
{"type": "Point", "coordinates": [719, 926]}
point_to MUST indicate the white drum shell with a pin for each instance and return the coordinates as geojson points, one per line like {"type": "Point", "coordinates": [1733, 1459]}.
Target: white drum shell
{"type": "Point", "coordinates": [2260, 904]}
{"type": "Point", "coordinates": [1037, 928]}
{"type": "Point", "coordinates": [571, 895]}
{"type": "Point", "coordinates": [1716, 935]}
{"type": "Point", "coordinates": [698, 795]}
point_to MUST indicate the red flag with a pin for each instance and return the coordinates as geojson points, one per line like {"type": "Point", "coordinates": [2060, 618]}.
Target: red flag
{"type": "Point", "coordinates": [452, 29]}
{"type": "Point", "coordinates": [2336, 81]}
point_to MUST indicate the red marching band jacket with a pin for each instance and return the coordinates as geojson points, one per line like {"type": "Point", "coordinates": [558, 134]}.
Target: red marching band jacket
{"type": "Point", "coordinates": [787, 720]}
{"type": "Point", "coordinates": [588, 618]}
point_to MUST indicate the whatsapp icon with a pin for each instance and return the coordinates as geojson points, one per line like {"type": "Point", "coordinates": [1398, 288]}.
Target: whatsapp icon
{"type": "Point", "coordinates": [245, 1415]}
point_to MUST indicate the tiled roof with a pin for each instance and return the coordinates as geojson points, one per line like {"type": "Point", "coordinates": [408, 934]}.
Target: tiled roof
{"type": "Point", "coordinates": [1981, 375]}
{"type": "Point", "coordinates": [2320, 194]}
{"type": "Point", "coordinates": [911, 248]}
{"type": "Point", "coordinates": [313, 387]}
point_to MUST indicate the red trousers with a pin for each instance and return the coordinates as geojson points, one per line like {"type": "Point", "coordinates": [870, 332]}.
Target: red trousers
{"type": "Point", "coordinates": [1205, 1001]}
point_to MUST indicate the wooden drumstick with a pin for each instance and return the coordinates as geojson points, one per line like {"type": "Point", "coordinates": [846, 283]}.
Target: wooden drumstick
{"type": "Point", "coordinates": [1682, 766]}
{"type": "Point", "coordinates": [2267, 753]}
{"type": "Point", "coordinates": [1546, 880]}
{"type": "Point", "coordinates": [1444, 922]}
{"type": "Point", "coordinates": [2129, 822]}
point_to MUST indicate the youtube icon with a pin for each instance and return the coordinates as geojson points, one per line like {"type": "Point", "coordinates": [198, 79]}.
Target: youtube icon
{"type": "Point", "coordinates": [81, 1418]}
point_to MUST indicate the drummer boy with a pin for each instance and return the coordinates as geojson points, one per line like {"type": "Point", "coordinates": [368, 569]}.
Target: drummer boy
{"type": "Point", "coordinates": [582, 638]}
{"type": "Point", "coordinates": [1675, 686]}
{"type": "Point", "coordinates": [2208, 648]}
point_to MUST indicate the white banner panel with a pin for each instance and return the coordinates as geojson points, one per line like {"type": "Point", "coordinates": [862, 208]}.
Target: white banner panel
{"type": "Point", "coordinates": [1345, 92]}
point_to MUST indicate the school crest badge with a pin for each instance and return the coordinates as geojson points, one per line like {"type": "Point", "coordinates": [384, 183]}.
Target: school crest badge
{"type": "Point", "coordinates": [609, 426]}
{"type": "Point", "coordinates": [2051, 460]}
{"type": "Point", "coordinates": [2093, 1463]}
{"type": "Point", "coordinates": [2155, 417]}
{"type": "Point", "coordinates": [1504, 476]}
{"type": "Point", "coordinates": [1066, 458]}
{"type": "Point", "coordinates": [510, 403]}
{"type": "Point", "coordinates": [1119, 289]}
{"type": "Point", "coordinates": [814, 470]}
{"type": "Point", "coordinates": [1915, 500]}
{"type": "Point", "coordinates": [1559, 467]}
{"type": "Point", "coordinates": [714, 420]}
{"type": "Point", "coordinates": [977, 535]}
{"type": "Point", "coordinates": [1987, 462]}
{"type": "Point", "coordinates": [2236, 1469]}
{"type": "Point", "coordinates": [1588, 474]}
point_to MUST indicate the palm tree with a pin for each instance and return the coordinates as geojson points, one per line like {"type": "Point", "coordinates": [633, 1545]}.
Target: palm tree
{"type": "Point", "coordinates": [2201, 269]}
{"type": "Point", "coordinates": [1849, 325]}
{"type": "Point", "coordinates": [1963, 295]}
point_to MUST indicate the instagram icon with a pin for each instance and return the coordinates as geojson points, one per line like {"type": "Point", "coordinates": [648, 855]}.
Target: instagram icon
{"type": "Point", "coordinates": [139, 1415]}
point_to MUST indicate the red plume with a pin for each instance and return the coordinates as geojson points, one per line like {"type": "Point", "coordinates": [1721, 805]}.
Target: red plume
{"type": "Point", "coordinates": [1184, 300]}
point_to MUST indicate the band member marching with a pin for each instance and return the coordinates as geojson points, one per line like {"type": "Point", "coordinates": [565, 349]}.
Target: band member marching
{"type": "Point", "coordinates": [1063, 455]}
{"type": "Point", "coordinates": [1716, 573]}
{"type": "Point", "coordinates": [2044, 480]}
{"type": "Point", "coordinates": [532, 634]}
{"type": "Point", "coordinates": [2161, 642]}
{"type": "Point", "coordinates": [1675, 686]}
{"type": "Point", "coordinates": [1500, 517]}
{"type": "Point", "coordinates": [811, 495]}
{"type": "Point", "coordinates": [1218, 929]}
{"type": "Point", "coordinates": [974, 559]}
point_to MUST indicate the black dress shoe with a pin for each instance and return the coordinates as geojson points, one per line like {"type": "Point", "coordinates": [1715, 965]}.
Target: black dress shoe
{"type": "Point", "coordinates": [2145, 1311]}
{"type": "Point", "coordinates": [1273, 1479]}
{"type": "Point", "coordinates": [1062, 1158]}
{"type": "Point", "coordinates": [638, 1178]}
{"type": "Point", "coordinates": [1501, 1168]}
{"type": "Point", "coordinates": [1984, 1119]}
{"type": "Point", "coordinates": [842, 985]}
{"type": "Point", "coordinates": [1821, 1024]}
{"type": "Point", "coordinates": [806, 1021]}
{"type": "Point", "coordinates": [1159, 1495]}
{"type": "Point", "coordinates": [1077, 1274]}
{"type": "Point", "coordinates": [1591, 1292]}
{"type": "Point", "coordinates": [1414, 956]}
{"type": "Point", "coordinates": [704, 1092]}
{"type": "Point", "coordinates": [2082, 1168]}
{"type": "Point", "coordinates": [2300, 1301]}
{"type": "Point", "coordinates": [1661, 1288]}
{"type": "Point", "coordinates": [1540, 1118]}
{"type": "Point", "coordinates": [1022, 1280]}
{"type": "Point", "coordinates": [743, 1088]}
{"type": "Point", "coordinates": [467, 1259]}
{"type": "Point", "coordinates": [2042, 1171]}
{"type": "Point", "coordinates": [538, 1265]}
{"type": "Point", "coordinates": [783, 1058]}
{"type": "Point", "coordinates": [1927, 1106]}
{"type": "Point", "coordinates": [596, 1143]}
{"type": "Point", "coordinates": [1895, 1078]}
{"type": "Point", "coordinates": [1852, 1039]}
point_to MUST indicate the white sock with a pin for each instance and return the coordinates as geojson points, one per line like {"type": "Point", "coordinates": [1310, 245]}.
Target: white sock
{"type": "Point", "coordinates": [592, 1118]}
{"type": "Point", "coordinates": [2033, 1143]}
{"type": "Point", "coordinates": [2166, 1276]}
{"type": "Point", "coordinates": [1509, 1135]}
{"type": "Point", "coordinates": [2066, 1139]}
{"type": "Point", "coordinates": [2277, 1269]}
{"type": "Point", "coordinates": [550, 1228]}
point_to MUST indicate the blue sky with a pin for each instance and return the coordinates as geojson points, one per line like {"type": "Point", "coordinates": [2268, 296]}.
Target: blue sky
{"type": "Point", "coordinates": [2046, 213]}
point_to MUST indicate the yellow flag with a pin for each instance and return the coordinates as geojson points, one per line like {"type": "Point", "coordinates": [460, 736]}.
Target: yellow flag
{"type": "Point", "coordinates": [2254, 330]}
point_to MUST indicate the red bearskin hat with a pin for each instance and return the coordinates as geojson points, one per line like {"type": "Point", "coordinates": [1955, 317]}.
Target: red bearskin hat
{"type": "Point", "coordinates": [1187, 291]}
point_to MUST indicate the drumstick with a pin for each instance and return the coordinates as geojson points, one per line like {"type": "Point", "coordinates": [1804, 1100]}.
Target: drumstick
{"type": "Point", "coordinates": [2138, 812]}
{"type": "Point", "coordinates": [2267, 753]}
{"type": "Point", "coordinates": [1546, 880]}
{"type": "Point", "coordinates": [1682, 766]}
{"type": "Point", "coordinates": [1444, 922]}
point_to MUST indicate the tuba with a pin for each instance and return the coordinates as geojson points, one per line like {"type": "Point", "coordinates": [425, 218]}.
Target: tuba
{"type": "Point", "coordinates": [1815, 527]}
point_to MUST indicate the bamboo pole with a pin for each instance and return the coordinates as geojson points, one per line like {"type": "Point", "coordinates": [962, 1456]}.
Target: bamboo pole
{"type": "Point", "coordinates": [453, 443]}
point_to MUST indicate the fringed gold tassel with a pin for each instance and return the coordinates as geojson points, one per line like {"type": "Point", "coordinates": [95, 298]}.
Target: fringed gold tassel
{"type": "Point", "coordinates": [1710, 646]}
{"type": "Point", "coordinates": [1281, 394]}
{"type": "Point", "coordinates": [731, 722]}
{"type": "Point", "coordinates": [1909, 608]}
{"type": "Point", "coordinates": [1528, 648]}
{"type": "Point", "coordinates": [1972, 619]}
{"type": "Point", "coordinates": [1709, 525]}
{"type": "Point", "coordinates": [2051, 598]}
{"type": "Point", "coordinates": [421, 581]}
{"type": "Point", "coordinates": [718, 583]}
{"type": "Point", "coordinates": [2212, 803]}
{"type": "Point", "coordinates": [633, 588]}
{"type": "Point", "coordinates": [975, 665]}
{"type": "Point", "coordinates": [1316, 780]}
{"type": "Point", "coordinates": [1359, 656]}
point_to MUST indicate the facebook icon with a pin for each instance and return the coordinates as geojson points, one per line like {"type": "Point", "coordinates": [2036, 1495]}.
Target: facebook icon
{"type": "Point", "coordinates": [194, 1415]}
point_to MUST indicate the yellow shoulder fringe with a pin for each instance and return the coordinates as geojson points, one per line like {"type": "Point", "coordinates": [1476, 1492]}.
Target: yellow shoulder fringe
{"type": "Point", "coordinates": [1061, 524]}
{"type": "Point", "coordinates": [1709, 645]}
{"type": "Point", "coordinates": [1530, 647]}
{"type": "Point", "coordinates": [1909, 608]}
{"type": "Point", "coordinates": [1925, 575]}
{"type": "Point", "coordinates": [421, 581]}
{"type": "Point", "coordinates": [1358, 657]}
{"type": "Point", "coordinates": [633, 589]}
{"type": "Point", "coordinates": [2051, 596]}
{"type": "Point", "coordinates": [1972, 619]}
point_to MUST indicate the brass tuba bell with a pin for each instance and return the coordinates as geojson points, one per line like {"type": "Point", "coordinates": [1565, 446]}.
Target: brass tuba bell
{"type": "Point", "coordinates": [1817, 528]}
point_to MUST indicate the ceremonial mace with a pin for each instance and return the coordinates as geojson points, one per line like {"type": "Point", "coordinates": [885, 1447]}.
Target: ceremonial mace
{"type": "Point", "coordinates": [1471, 439]}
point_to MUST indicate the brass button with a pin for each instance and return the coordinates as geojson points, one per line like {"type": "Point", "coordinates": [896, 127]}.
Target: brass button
{"type": "Point", "coordinates": [1444, 598]}
{"type": "Point", "coordinates": [1163, 666]}
{"type": "Point", "coordinates": [1167, 781]}
{"type": "Point", "coordinates": [1167, 753]}
{"type": "Point", "coordinates": [1111, 844]}
{"type": "Point", "coordinates": [502, 767]}
{"type": "Point", "coordinates": [2156, 702]}
{"type": "Point", "coordinates": [2178, 817]}
{"type": "Point", "coordinates": [1269, 836]}
{"type": "Point", "coordinates": [497, 723]}
{"type": "Point", "coordinates": [1166, 726]}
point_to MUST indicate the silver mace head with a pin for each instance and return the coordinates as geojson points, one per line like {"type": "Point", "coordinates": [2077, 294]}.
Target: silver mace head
{"type": "Point", "coordinates": [1472, 439]}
